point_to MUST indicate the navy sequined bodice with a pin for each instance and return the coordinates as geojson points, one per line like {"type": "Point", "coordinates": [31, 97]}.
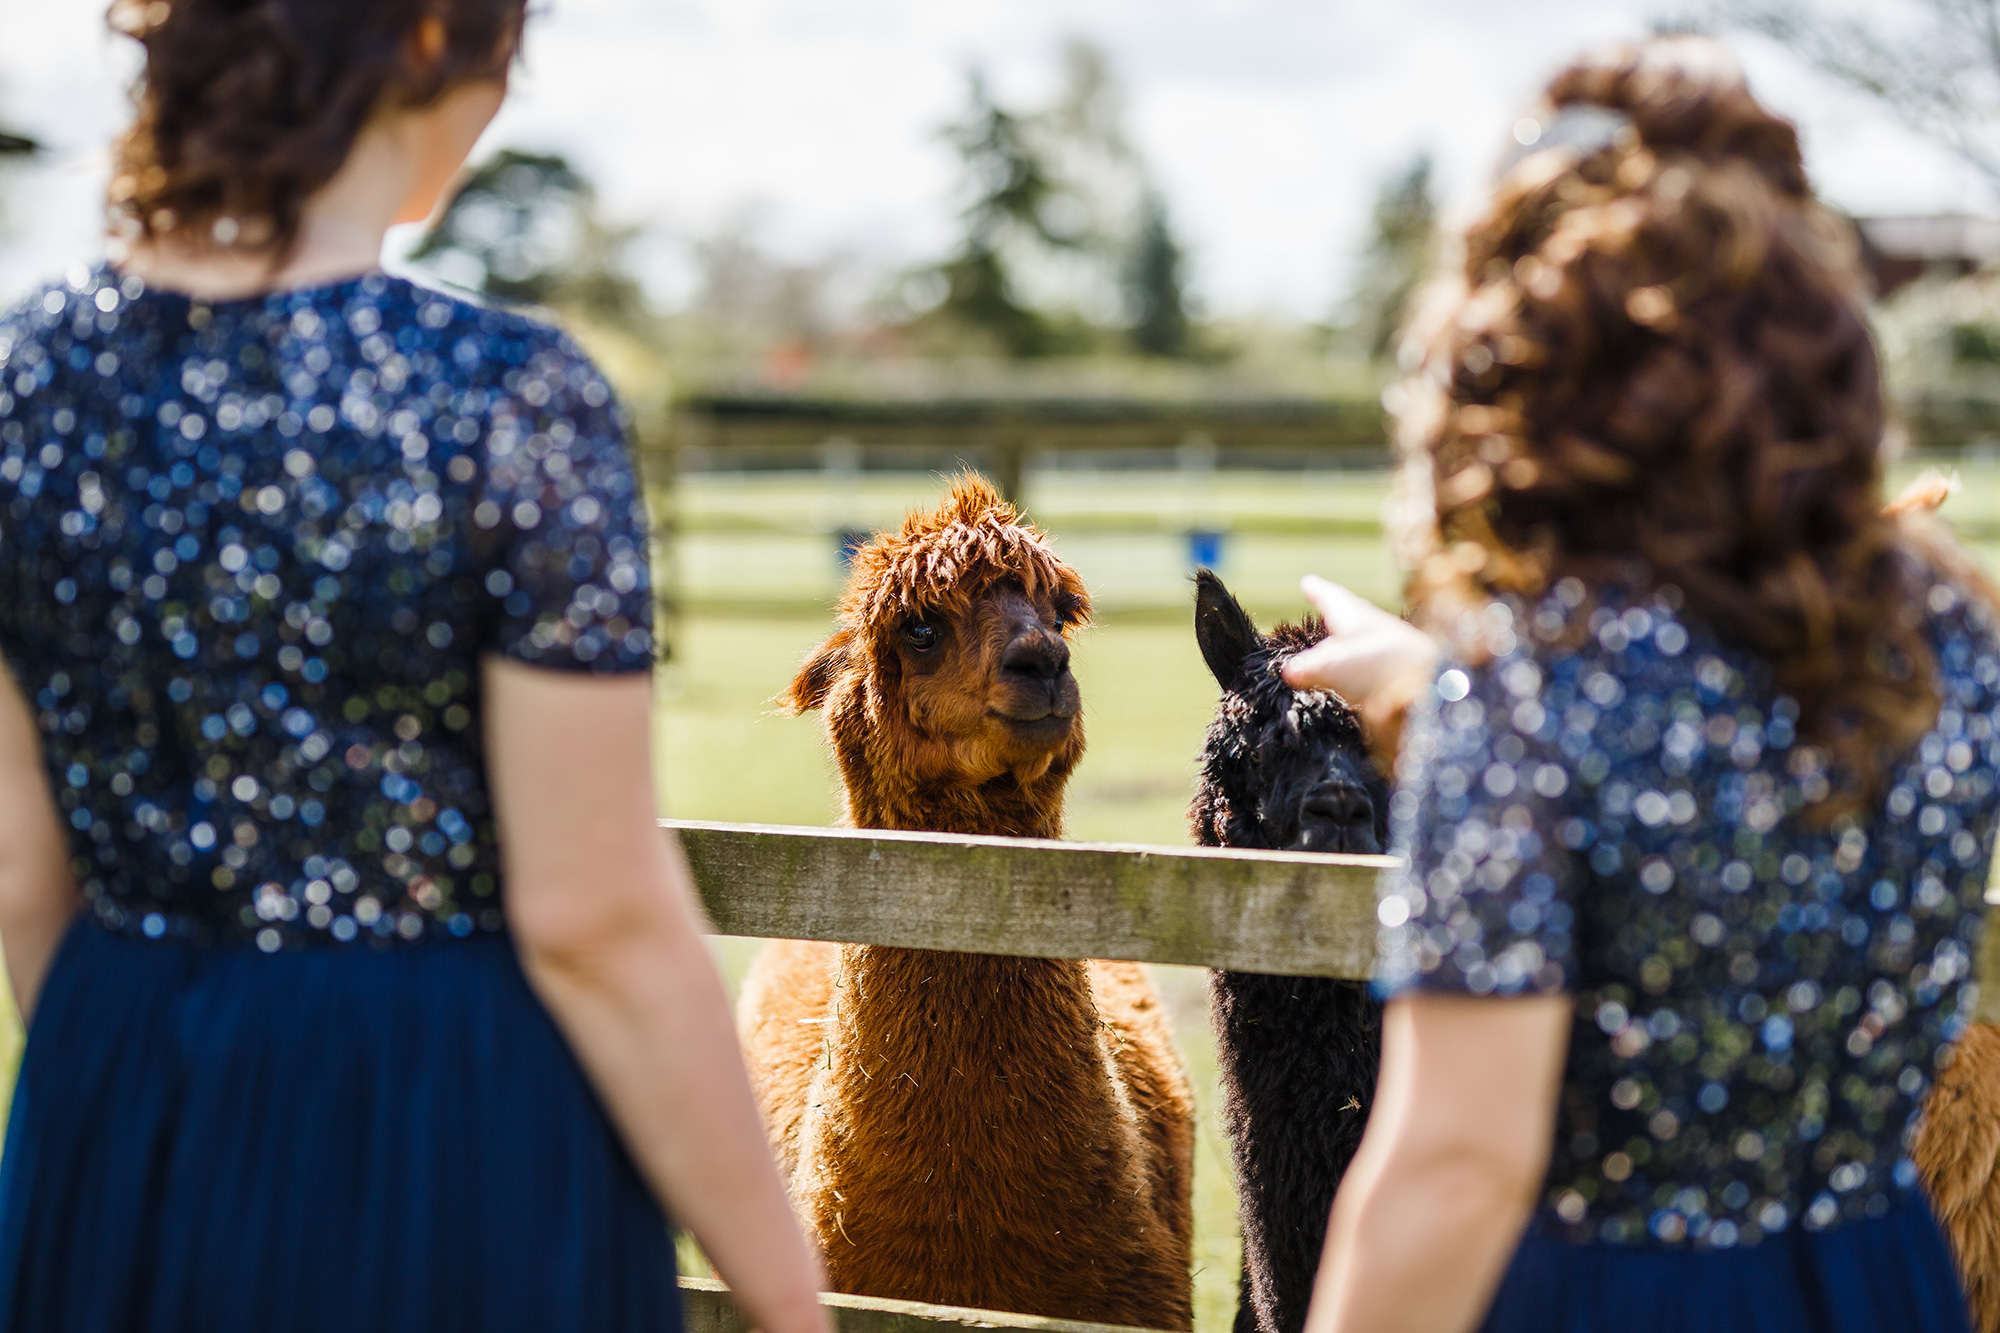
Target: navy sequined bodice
{"type": "Point", "coordinates": [251, 555]}
{"type": "Point", "coordinates": [1761, 1001]}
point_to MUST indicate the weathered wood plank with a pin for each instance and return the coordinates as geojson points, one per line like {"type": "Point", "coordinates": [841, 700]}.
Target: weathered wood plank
{"type": "Point", "coordinates": [1277, 912]}
{"type": "Point", "coordinates": [709, 1308]}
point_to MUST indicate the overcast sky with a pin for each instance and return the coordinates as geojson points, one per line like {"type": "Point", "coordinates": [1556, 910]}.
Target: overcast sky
{"type": "Point", "coordinates": [1269, 123]}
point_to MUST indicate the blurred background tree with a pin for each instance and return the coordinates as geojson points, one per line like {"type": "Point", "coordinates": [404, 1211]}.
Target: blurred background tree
{"type": "Point", "coordinates": [751, 306]}
{"type": "Point", "coordinates": [1155, 285]}
{"type": "Point", "coordinates": [1067, 269]}
{"type": "Point", "coordinates": [525, 229]}
{"type": "Point", "coordinates": [1402, 241]}
{"type": "Point", "coordinates": [1934, 63]}
{"type": "Point", "coordinates": [1065, 245]}
{"type": "Point", "coordinates": [1009, 188]}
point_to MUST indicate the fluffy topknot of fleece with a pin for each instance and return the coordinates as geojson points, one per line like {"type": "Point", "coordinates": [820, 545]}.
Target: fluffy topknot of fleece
{"type": "Point", "coordinates": [951, 555]}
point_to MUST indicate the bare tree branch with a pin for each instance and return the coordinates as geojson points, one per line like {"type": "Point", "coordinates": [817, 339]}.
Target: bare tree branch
{"type": "Point", "coordinates": [1935, 64]}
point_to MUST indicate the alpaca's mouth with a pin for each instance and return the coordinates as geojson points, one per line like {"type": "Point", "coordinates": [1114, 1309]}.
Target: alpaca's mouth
{"type": "Point", "coordinates": [1335, 840]}
{"type": "Point", "coordinates": [1049, 727]}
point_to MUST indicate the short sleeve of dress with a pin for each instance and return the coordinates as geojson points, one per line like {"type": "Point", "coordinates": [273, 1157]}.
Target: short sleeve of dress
{"type": "Point", "coordinates": [567, 563]}
{"type": "Point", "coordinates": [1485, 901]}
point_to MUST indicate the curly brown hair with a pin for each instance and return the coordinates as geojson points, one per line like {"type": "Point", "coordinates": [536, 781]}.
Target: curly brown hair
{"type": "Point", "coordinates": [245, 108]}
{"type": "Point", "coordinates": [1654, 370]}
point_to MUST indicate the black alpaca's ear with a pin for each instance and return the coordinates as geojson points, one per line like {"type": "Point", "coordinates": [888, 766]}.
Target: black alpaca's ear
{"type": "Point", "coordinates": [1223, 629]}
{"type": "Point", "coordinates": [815, 680]}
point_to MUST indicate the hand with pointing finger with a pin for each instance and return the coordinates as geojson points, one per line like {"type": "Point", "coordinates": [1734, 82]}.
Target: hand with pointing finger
{"type": "Point", "coordinates": [1375, 661]}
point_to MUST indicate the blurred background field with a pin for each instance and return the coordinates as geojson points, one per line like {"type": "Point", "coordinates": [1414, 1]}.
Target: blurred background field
{"type": "Point", "coordinates": [750, 605]}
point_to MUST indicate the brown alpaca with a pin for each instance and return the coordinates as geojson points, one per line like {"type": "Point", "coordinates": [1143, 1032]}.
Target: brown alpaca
{"type": "Point", "coordinates": [1958, 1155]}
{"type": "Point", "coordinates": [1009, 1133]}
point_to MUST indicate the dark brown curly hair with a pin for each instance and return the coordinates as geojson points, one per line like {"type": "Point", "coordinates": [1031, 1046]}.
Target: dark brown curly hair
{"type": "Point", "coordinates": [245, 108]}
{"type": "Point", "coordinates": [1654, 370]}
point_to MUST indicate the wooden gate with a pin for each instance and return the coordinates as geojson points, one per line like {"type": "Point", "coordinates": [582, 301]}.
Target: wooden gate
{"type": "Point", "coordinates": [1278, 912]}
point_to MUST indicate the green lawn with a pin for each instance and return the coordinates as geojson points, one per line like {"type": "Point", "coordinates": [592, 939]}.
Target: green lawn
{"type": "Point", "coordinates": [758, 566]}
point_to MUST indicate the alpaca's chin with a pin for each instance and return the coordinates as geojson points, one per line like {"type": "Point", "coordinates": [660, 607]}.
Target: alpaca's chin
{"type": "Point", "coordinates": [1045, 733]}
{"type": "Point", "coordinates": [1334, 838]}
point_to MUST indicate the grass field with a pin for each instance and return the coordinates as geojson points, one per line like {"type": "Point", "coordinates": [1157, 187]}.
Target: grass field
{"type": "Point", "coordinates": [756, 568]}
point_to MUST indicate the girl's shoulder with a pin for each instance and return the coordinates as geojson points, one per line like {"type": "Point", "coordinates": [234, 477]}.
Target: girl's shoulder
{"type": "Point", "coordinates": [533, 359]}
{"type": "Point", "coordinates": [26, 323]}
{"type": "Point", "coordinates": [1603, 642]}
{"type": "Point", "coordinates": [386, 314]}
{"type": "Point", "coordinates": [1959, 598]}
{"type": "Point", "coordinates": [379, 314]}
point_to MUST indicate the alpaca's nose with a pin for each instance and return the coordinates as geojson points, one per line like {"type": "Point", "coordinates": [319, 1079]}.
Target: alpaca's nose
{"type": "Point", "coordinates": [1341, 803]}
{"type": "Point", "coordinates": [1037, 655]}
{"type": "Point", "coordinates": [1345, 813]}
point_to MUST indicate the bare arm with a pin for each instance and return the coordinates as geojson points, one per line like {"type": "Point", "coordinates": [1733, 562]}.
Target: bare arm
{"type": "Point", "coordinates": [38, 897]}
{"type": "Point", "coordinates": [604, 914]}
{"type": "Point", "coordinates": [1434, 1204]}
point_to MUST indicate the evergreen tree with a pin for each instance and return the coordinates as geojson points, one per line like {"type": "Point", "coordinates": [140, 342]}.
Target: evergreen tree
{"type": "Point", "coordinates": [1064, 243]}
{"type": "Point", "coordinates": [1008, 188]}
{"type": "Point", "coordinates": [1154, 284]}
{"type": "Point", "coordinates": [524, 228]}
{"type": "Point", "coordinates": [1402, 232]}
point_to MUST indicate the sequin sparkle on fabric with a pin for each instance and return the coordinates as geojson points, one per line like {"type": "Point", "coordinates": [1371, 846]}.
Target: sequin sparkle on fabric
{"type": "Point", "coordinates": [1760, 1002]}
{"type": "Point", "coordinates": [251, 554]}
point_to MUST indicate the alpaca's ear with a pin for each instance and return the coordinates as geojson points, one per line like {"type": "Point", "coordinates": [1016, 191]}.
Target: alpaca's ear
{"type": "Point", "coordinates": [815, 680]}
{"type": "Point", "coordinates": [1223, 629]}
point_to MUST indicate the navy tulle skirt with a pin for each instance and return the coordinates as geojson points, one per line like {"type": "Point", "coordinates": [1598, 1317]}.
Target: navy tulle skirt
{"type": "Point", "coordinates": [1891, 1274]}
{"type": "Point", "coordinates": [220, 1140]}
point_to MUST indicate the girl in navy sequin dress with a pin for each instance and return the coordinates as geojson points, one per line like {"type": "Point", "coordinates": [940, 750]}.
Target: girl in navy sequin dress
{"type": "Point", "coordinates": [363, 992]}
{"type": "Point", "coordinates": [1697, 809]}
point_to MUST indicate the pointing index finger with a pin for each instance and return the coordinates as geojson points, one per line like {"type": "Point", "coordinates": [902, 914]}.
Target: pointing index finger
{"type": "Point", "coordinates": [1343, 610]}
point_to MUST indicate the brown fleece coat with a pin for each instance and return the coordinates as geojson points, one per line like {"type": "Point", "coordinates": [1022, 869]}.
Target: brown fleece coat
{"type": "Point", "coordinates": [1010, 1133]}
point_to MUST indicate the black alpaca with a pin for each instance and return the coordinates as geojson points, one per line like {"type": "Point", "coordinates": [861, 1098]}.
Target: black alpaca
{"type": "Point", "coordinates": [1285, 769]}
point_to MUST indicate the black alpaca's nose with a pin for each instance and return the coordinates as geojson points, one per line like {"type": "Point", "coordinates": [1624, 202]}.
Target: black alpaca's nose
{"type": "Point", "coordinates": [1339, 817]}
{"type": "Point", "coordinates": [1037, 656]}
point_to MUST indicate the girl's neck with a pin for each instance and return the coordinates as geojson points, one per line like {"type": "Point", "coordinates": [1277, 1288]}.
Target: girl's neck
{"type": "Point", "coordinates": [340, 234]}
{"type": "Point", "coordinates": [323, 255]}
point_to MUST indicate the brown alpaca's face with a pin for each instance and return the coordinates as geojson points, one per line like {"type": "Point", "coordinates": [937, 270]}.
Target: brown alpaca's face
{"type": "Point", "coordinates": [985, 686]}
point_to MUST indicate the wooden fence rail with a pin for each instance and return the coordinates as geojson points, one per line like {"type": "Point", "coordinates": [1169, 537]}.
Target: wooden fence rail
{"type": "Point", "coordinates": [1287, 913]}
{"type": "Point", "coordinates": [1275, 912]}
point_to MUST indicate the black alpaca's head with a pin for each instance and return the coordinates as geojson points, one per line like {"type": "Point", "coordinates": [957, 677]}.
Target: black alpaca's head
{"type": "Point", "coordinates": [1283, 769]}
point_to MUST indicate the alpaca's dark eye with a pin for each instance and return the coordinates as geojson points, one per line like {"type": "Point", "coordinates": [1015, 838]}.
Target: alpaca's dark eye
{"type": "Point", "coordinates": [921, 637]}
